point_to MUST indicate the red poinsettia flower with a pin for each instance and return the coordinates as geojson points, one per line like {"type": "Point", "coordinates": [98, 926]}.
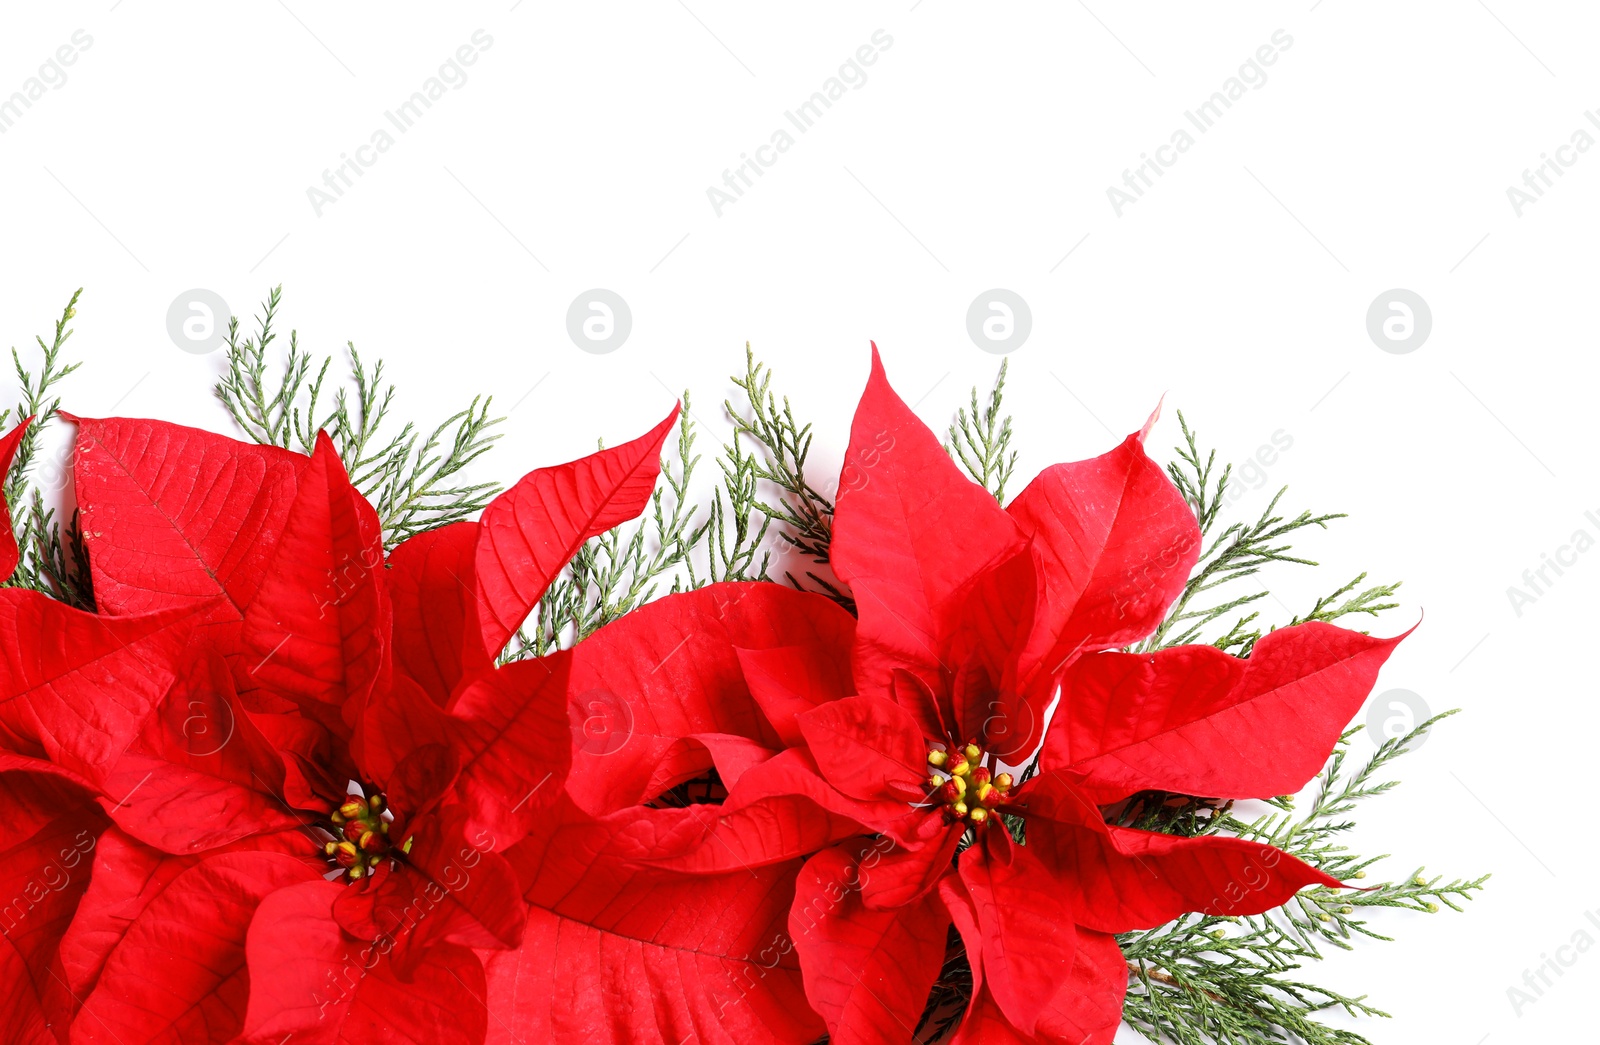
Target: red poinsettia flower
{"type": "Point", "coordinates": [914, 723]}
{"type": "Point", "coordinates": [310, 759]}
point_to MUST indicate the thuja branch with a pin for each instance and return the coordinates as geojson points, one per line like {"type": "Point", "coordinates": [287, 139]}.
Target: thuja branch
{"type": "Point", "coordinates": [50, 562]}
{"type": "Point", "coordinates": [802, 514]}
{"type": "Point", "coordinates": [1204, 979]}
{"type": "Point", "coordinates": [980, 441]}
{"type": "Point", "coordinates": [1238, 551]}
{"type": "Point", "coordinates": [414, 478]}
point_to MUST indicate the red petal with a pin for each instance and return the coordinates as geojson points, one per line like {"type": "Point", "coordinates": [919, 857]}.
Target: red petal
{"type": "Point", "coordinates": [315, 985]}
{"type": "Point", "coordinates": [1196, 721]}
{"type": "Point", "coordinates": [199, 774]}
{"type": "Point", "coordinates": [1118, 879]}
{"type": "Point", "coordinates": [780, 810]}
{"type": "Point", "coordinates": [8, 537]}
{"type": "Point", "coordinates": [127, 877]}
{"type": "Point", "coordinates": [1085, 1009]}
{"type": "Point", "coordinates": [1116, 541]}
{"type": "Point", "coordinates": [174, 516]}
{"type": "Point", "coordinates": [870, 747]}
{"type": "Point", "coordinates": [985, 1024]}
{"type": "Point", "coordinates": [1030, 939]}
{"type": "Point", "coordinates": [994, 619]}
{"type": "Point", "coordinates": [513, 724]}
{"type": "Point", "coordinates": [787, 681]}
{"type": "Point", "coordinates": [316, 629]}
{"type": "Point", "coordinates": [406, 745]}
{"type": "Point", "coordinates": [178, 975]}
{"type": "Point", "coordinates": [452, 888]}
{"type": "Point", "coordinates": [48, 827]}
{"type": "Point", "coordinates": [671, 670]}
{"type": "Point", "coordinates": [909, 532]}
{"type": "Point", "coordinates": [76, 687]}
{"type": "Point", "coordinates": [648, 957]}
{"type": "Point", "coordinates": [436, 637]}
{"type": "Point", "coordinates": [913, 870]}
{"type": "Point", "coordinates": [530, 532]}
{"type": "Point", "coordinates": [867, 972]}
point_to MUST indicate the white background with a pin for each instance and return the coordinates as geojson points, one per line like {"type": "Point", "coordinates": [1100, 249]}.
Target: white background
{"type": "Point", "coordinates": [978, 153]}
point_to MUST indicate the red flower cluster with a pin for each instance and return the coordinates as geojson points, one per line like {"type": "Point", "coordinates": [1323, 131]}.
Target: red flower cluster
{"type": "Point", "coordinates": [268, 790]}
{"type": "Point", "coordinates": [279, 788]}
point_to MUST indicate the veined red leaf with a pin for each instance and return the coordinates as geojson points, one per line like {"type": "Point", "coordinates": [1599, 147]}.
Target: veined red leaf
{"type": "Point", "coordinates": [313, 984]}
{"type": "Point", "coordinates": [671, 670]}
{"type": "Point", "coordinates": [176, 517]}
{"type": "Point", "coordinates": [647, 957]}
{"type": "Point", "coordinates": [1029, 933]}
{"type": "Point", "coordinates": [1118, 879]}
{"type": "Point", "coordinates": [199, 774]}
{"type": "Point", "coordinates": [528, 534]}
{"type": "Point", "coordinates": [76, 687]}
{"type": "Point", "coordinates": [879, 741]}
{"type": "Point", "coordinates": [786, 681]}
{"type": "Point", "coordinates": [867, 972]}
{"type": "Point", "coordinates": [48, 828]}
{"type": "Point", "coordinates": [127, 877]}
{"type": "Point", "coordinates": [514, 738]}
{"type": "Point", "coordinates": [1198, 721]}
{"type": "Point", "coordinates": [909, 531]}
{"type": "Point", "coordinates": [437, 640]}
{"type": "Point", "coordinates": [318, 624]}
{"type": "Point", "coordinates": [1085, 1009]}
{"type": "Point", "coordinates": [1116, 542]}
{"type": "Point", "coordinates": [178, 975]}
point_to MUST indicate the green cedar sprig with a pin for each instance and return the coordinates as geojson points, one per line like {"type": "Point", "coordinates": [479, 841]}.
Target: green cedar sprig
{"type": "Point", "coordinates": [52, 561]}
{"type": "Point", "coordinates": [1238, 551]}
{"type": "Point", "coordinates": [801, 512]}
{"type": "Point", "coordinates": [413, 477]}
{"type": "Point", "coordinates": [980, 441]}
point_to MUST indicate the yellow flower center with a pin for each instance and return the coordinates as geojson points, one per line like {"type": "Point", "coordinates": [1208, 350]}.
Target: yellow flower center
{"type": "Point", "coordinates": [968, 790]}
{"type": "Point", "coordinates": [361, 839]}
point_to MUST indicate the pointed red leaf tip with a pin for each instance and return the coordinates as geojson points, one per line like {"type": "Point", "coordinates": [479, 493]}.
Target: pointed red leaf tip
{"type": "Point", "coordinates": [530, 532]}
{"type": "Point", "coordinates": [8, 538]}
{"type": "Point", "coordinates": [1196, 720]}
{"type": "Point", "coordinates": [1150, 422]}
{"type": "Point", "coordinates": [911, 531]}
